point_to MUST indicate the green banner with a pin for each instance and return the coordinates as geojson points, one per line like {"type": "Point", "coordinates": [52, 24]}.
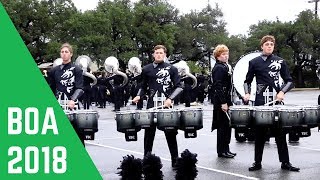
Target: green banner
{"type": "Point", "coordinates": [37, 139]}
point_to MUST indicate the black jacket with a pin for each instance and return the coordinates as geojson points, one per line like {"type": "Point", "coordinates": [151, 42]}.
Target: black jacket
{"type": "Point", "coordinates": [221, 84]}
{"type": "Point", "coordinates": [162, 77]}
{"type": "Point", "coordinates": [67, 79]}
{"type": "Point", "coordinates": [267, 70]}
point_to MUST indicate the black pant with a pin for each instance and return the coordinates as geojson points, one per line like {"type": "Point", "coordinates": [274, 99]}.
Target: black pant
{"type": "Point", "coordinates": [102, 96]}
{"type": "Point", "coordinates": [280, 136]}
{"type": "Point", "coordinates": [223, 130]}
{"type": "Point", "coordinates": [118, 97]}
{"type": "Point", "coordinates": [149, 134]}
{"type": "Point", "coordinates": [186, 94]}
{"type": "Point", "coordinates": [87, 98]}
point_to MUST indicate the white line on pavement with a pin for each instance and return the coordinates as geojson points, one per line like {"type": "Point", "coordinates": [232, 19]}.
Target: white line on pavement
{"type": "Point", "coordinates": [301, 147]}
{"type": "Point", "coordinates": [201, 167]}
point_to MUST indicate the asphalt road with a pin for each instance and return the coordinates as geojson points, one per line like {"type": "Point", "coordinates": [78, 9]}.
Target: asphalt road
{"type": "Point", "coordinates": [109, 147]}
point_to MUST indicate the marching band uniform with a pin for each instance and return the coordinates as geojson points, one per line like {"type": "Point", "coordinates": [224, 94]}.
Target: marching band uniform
{"type": "Point", "coordinates": [136, 85]}
{"type": "Point", "coordinates": [187, 90]}
{"type": "Point", "coordinates": [67, 79]}
{"type": "Point", "coordinates": [201, 86]}
{"type": "Point", "coordinates": [86, 97]}
{"type": "Point", "coordinates": [267, 70]}
{"type": "Point", "coordinates": [221, 87]}
{"type": "Point", "coordinates": [117, 91]}
{"type": "Point", "coordinates": [160, 78]}
{"type": "Point", "coordinates": [101, 91]}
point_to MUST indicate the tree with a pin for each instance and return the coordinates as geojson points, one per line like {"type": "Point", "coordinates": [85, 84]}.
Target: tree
{"type": "Point", "coordinates": [35, 27]}
{"type": "Point", "coordinates": [153, 23]}
{"type": "Point", "coordinates": [198, 32]}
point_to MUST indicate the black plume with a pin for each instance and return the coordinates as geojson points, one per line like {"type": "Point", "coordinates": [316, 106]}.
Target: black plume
{"type": "Point", "coordinates": [130, 168]}
{"type": "Point", "coordinates": [186, 168]}
{"type": "Point", "coordinates": [152, 167]}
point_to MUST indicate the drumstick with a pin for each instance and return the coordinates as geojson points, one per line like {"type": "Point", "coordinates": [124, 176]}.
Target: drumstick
{"type": "Point", "coordinates": [228, 116]}
{"type": "Point", "coordinates": [270, 102]}
{"type": "Point", "coordinates": [154, 108]}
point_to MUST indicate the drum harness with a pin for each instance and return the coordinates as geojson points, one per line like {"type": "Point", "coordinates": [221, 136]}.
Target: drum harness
{"type": "Point", "coordinates": [63, 101]}
{"type": "Point", "coordinates": [158, 100]}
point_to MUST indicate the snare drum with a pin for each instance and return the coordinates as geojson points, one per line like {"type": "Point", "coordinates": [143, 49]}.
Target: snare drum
{"type": "Point", "coordinates": [87, 120]}
{"type": "Point", "coordinates": [311, 115]}
{"type": "Point", "coordinates": [70, 115]}
{"type": "Point", "coordinates": [125, 121]}
{"type": "Point", "coordinates": [264, 115]}
{"type": "Point", "coordinates": [144, 118]}
{"type": "Point", "coordinates": [191, 118]}
{"type": "Point", "coordinates": [240, 115]}
{"type": "Point", "coordinates": [168, 119]}
{"type": "Point", "coordinates": [290, 116]}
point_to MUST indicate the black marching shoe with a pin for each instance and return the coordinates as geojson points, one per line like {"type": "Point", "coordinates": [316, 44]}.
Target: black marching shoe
{"type": "Point", "coordinates": [255, 166]}
{"type": "Point", "coordinates": [225, 155]}
{"type": "Point", "coordinates": [233, 154]}
{"type": "Point", "coordinates": [288, 166]}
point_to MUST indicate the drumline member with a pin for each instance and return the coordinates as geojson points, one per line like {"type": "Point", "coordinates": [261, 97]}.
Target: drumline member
{"type": "Point", "coordinates": [267, 68]}
{"type": "Point", "coordinates": [135, 79]}
{"type": "Point", "coordinates": [160, 77]}
{"type": "Point", "coordinates": [221, 87]}
{"type": "Point", "coordinates": [87, 94]}
{"type": "Point", "coordinates": [67, 79]}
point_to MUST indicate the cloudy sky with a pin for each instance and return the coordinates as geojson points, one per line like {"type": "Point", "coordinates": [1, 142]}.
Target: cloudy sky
{"type": "Point", "coordinates": [239, 14]}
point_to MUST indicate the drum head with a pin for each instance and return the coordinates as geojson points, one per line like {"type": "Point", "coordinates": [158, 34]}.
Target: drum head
{"type": "Point", "coordinates": [240, 72]}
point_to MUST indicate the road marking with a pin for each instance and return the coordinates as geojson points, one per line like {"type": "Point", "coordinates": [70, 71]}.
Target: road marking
{"type": "Point", "coordinates": [304, 148]}
{"type": "Point", "coordinates": [165, 159]}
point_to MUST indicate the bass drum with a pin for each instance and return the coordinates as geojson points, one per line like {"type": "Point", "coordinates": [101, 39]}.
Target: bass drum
{"type": "Point", "coordinates": [240, 72]}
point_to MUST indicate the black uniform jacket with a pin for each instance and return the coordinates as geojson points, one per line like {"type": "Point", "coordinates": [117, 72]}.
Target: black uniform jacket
{"type": "Point", "coordinates": [267, 70]}
{"type": "Point", "coordinates": [162, 77]}
{"type": "Point", "coordinates": [66, 78]}
{"type": "Point", "coordinates": [221, 84]}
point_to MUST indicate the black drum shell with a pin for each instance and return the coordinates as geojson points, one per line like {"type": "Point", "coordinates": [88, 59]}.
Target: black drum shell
{"type": "Point", "coordinates": [311, 115]}
{"type": "Point", "coordinates": [264, 115]}
{"type": "Point", "coordinates": [191, 119]}
{"type": "Point", "coordinates": [291, 117]}
{"type": "Point", "coordinates": [240, 116]}
{"type": "Point", "coordinates": [144, 119]}
{"type": "Point", "coordinates": [125, 121]}
{"type": "Point", "coordinates": [168, 119]}
{"type": "Point", "coordinates": [86, 120]}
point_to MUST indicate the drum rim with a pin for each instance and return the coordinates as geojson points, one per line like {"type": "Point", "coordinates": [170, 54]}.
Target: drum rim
{"type": "Point", "coordinates": [125, 112]}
